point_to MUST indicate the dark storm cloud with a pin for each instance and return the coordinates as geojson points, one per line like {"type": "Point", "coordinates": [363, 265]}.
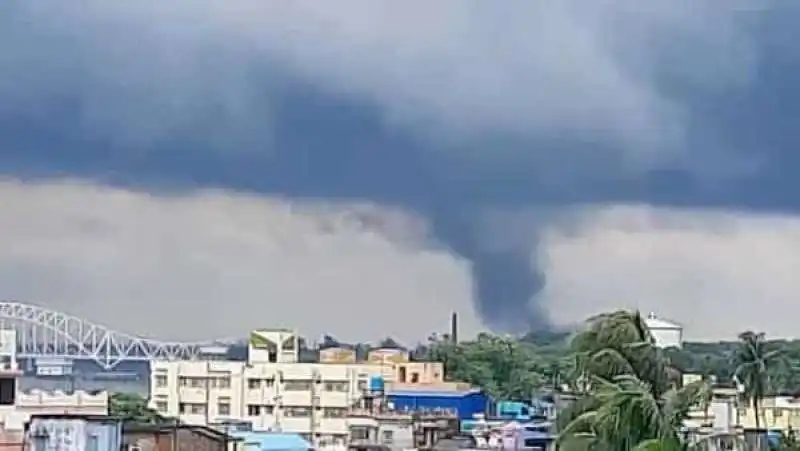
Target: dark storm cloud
{"type": "Point", "coordinates": [461, 111]}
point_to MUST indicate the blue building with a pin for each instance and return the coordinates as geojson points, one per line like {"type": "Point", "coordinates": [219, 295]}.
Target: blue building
{"type": "Point", "coordinates": [464, 403]}
{"type": "Point", "coordinates": [46, 432]}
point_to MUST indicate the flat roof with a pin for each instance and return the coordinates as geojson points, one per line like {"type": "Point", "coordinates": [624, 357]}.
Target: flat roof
{"type": "Point", "coordinates": [434, 393]}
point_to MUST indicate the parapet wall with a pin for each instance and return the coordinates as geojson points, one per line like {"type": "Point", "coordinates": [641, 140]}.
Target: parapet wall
{"type": "Point", "coordinates": [41, 398]}
{"type": "Point", "coordinates": [433, 386]}
{"type": "Point", "coordinates": [13, 418]}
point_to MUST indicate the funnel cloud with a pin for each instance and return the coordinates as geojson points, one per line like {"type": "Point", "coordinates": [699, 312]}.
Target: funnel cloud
{"type": "Point", "coordinates": [489, 125]}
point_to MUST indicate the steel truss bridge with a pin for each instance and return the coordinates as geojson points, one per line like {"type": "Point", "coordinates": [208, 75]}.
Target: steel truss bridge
{"type": "Point", "coordinates": [47, 333]}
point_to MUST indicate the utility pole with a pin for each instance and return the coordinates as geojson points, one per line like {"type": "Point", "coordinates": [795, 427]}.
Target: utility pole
{"type": "Point", "coordinates": [208, 392]}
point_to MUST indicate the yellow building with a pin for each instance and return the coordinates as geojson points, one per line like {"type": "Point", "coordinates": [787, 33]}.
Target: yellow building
{"type": "Point", "coordinates": [777, 413]}
{"type": "Point", "coordinates": [396, 364]}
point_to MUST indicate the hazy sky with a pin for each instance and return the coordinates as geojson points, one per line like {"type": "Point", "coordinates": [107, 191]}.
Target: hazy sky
{"type": "Point", "coordinates": [194, 169]}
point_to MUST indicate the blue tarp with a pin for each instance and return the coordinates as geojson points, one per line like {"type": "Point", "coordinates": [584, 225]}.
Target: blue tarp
{"type": "Point", "coordinates": [272, 441]}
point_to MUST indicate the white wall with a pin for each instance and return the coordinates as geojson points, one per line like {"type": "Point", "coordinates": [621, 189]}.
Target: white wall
{"type": "Point", "coordinates": [667, 338]}
{"type": "Point", "coordinates": [293, 397]}
{"type": "Point", "coordinates": [38, 402]}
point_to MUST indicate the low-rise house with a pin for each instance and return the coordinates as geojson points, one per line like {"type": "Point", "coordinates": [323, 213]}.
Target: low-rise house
{"type": "Point", "coordinates": [271, 441]}
{"type": "Point", "coordinates": [178, 437]}
{"type": "Point", "coordinates": [47, 432]}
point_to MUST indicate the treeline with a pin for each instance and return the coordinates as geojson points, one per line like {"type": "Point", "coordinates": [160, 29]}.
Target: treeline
{"type": "Point", "coordinates": [551, 361]}
{"type": "Point", "coordinates": [544, 357]}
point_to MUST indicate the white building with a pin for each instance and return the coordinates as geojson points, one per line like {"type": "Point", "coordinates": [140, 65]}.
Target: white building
{"type": "Point", "coordinates": [17, 407]}
{"type": "Point", "coordinates": [272, 391]}
{"type": "Point", "coordinates": [665, 333]}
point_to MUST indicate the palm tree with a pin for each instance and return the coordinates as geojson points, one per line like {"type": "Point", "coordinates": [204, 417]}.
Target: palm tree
{"type": "Point", "coordinates": [632, 400]}
{"type": "Point", "coordinates": [752, 360]}
{"type": "Point", "coordinates": [710, 443]}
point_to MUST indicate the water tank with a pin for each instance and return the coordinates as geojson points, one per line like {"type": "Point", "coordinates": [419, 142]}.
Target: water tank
{"type": "Point", "coordinates": [376, 384]}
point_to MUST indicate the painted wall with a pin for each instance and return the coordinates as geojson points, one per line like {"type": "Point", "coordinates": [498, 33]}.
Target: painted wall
{"type": "Point", "coordinates": [464, 404]}
{"type": "Point", "coordinates": [73, 434]}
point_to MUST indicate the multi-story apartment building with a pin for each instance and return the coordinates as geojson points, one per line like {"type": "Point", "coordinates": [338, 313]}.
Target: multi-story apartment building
{"type": "Point", "coordinates": [272, 391]}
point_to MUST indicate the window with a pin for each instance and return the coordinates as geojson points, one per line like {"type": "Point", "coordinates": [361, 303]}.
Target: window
{"type": "Point", "coordinates": [415, 378]}
{"type": "Point", "coordinates": [337, 386]}
{"type": "Point", "coordinates": [8, 391]}
{"type": "Point", "coordinates": [297, 412]}
{"type": "Point", "coordinates": [325, 439]}
{"type": "Point", "coordinates": [220, 382]}
{"type": "Point", "coordinates": [777, 413]}
{"type": "Point", "coordinates": [254, 410]}
{"type": "Point", "coordinates": [161, 380]}
{"type": "Point", "coordinates": [224, 408]}
{"type": "Point", "coordinates": [362, 385]}
{"type": "Point", "coordinates": [727, 444]}
{"type": "Point", "coordinates": [193, 382]}
{"type": "Point", "coordinates": [387, 437]}
{"type": "Point", "coordinates": [162, 406]}
{"type": "Point", "coordinates": [297, 386]}
{"type": "Point", "coordinates": [192, 409]}
{"type": "Point", "coordinates": [253, 384]}
{"type": "Point", "coordinates": [401, 374]}
{"type": "Point", "coordinates": [334, 412]}
{"type": "Point", "coordinates": [359, 433]}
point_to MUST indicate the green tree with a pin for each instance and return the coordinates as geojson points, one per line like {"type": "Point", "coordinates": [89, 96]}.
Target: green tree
{"type": "Point", "coordinates": [503, 366]}
{"type": "Point", "coordinates": [631, 400]}
{"type": "Point", "coordinates": [133, 408]}
{"type": "Point", "coordinates": [789, 441]}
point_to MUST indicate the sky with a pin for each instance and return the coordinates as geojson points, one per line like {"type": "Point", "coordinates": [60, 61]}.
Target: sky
{"type": "Point", "coordinates": [191, 170]}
